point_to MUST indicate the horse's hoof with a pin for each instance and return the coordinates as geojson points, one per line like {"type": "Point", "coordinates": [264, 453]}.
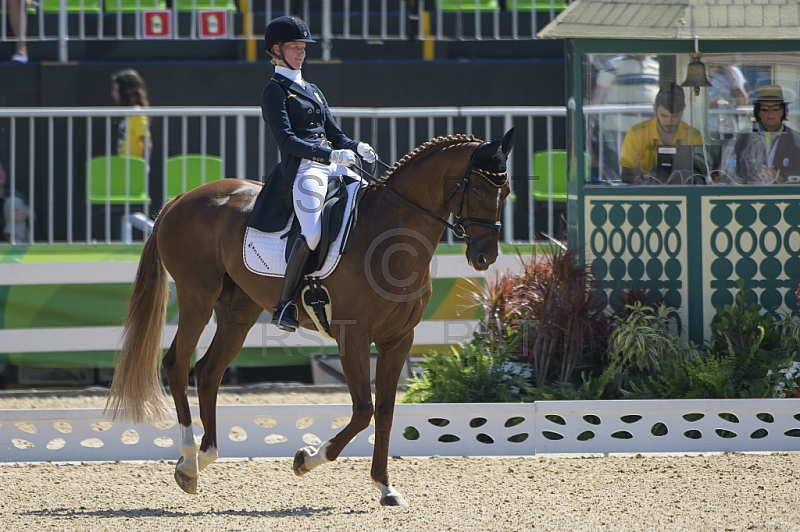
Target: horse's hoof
{"type": "Point", "coordinates": [393, 500]}
{"type": "Point", "coordinates": [189, 485]}
{"type": "Point", "coordinates": [299, 465]}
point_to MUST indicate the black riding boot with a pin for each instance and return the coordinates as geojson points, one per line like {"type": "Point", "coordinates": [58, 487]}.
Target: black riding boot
{"type": "Point", "coordinates": [285, 313]}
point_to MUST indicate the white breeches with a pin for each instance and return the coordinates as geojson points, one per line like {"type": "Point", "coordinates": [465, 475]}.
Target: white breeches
{"type": "Point", "coordinates": [308, 195]}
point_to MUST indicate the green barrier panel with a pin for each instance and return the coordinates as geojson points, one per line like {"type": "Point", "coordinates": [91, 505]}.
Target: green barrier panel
{"type": "Point", "coordinates": [70, 305]}
{"type": "Point", "coordinates": [60, 359]}
{"type": "Point", "coordinates": [247, 357]}
{"type": "Point", "coordinates": [450, 301]}
{"type": "Point", "coordinates": [70, 253]}
{"type": "Point", "coordinates": [88, 305]}
{"type": "Point", "coordinates": [131, 252]}
{"type": "Point", "coordinates": [251, 357]}
{"type": "Point", "coordinates": [82, 305]}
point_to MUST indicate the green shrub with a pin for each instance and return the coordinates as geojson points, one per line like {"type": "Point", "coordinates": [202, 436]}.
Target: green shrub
{"type": "Point", "coordinates": [590, 388]}
{"type": "Point", "coordinates": [549, 316]}
{"type": "Point", "coordinates": [742, 328]}
{"type": "Point", "coordinates": [641, 340]}
{"type": "Point", "coordinates": [784, 375]}
{"type": "Point", "coordinates": [479, 371]}
{"type": "Point", "coordinates": [639, 345]}
{"type": "Point", "coordinates": [746, 345]}
{"type": "Point", "coordinates": [698, 374]}
{"type": "Point", "coordinates": [789, 327]}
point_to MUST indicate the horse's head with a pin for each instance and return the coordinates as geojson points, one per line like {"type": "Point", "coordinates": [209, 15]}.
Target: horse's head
{"type": "Point", "coordinates": [480, 201]}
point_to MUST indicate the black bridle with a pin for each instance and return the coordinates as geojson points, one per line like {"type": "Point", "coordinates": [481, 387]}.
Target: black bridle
{"type": "Point", "coordinates": [459, 227]}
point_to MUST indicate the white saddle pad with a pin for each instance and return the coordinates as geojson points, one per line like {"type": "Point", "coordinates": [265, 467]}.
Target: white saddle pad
{"type": "Point", "coordinates": [264, 253]}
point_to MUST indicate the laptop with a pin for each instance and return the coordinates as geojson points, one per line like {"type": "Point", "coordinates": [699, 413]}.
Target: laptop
{"type": "Point", "coordinates": [676, 164]}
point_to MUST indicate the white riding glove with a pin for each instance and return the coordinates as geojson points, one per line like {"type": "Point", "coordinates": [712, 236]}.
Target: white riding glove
{"type": "Point", "coordinates": [367, 153]}
{"type": "Point", "coordinates": [343, 157]}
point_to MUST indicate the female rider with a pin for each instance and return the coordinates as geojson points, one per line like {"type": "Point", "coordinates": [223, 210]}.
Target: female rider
{"type": "Point", "coordinates": [313, 148]}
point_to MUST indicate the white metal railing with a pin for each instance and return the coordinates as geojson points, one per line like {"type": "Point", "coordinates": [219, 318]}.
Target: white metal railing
{"type": "Point", "coordinates": [49, 149]}
{"type": "Point", "coordinates": [96, 20]}
{"type": "Point", "coordinates": [484, 429]}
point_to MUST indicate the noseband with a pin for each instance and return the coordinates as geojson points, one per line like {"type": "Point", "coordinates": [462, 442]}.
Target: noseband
{"type": "Point", "coordinates": [459, 228]}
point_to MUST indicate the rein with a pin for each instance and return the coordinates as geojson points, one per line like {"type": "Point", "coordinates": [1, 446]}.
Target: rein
{"type": "Point", "coordinates": [459, 228]}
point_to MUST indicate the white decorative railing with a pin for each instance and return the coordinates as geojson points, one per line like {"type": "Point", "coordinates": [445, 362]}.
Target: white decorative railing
{"type": "Point", "coordinates": [684, 425]}
{"type": "Point", "coordinates": [496, 429]}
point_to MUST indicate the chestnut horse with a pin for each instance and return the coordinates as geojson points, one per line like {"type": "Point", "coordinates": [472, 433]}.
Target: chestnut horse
{"type": "Point", "coordinates": [379, 293]}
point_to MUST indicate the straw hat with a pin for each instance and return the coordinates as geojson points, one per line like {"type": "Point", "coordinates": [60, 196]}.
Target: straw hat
{"type": "Point", "coordinates": [770, 93]}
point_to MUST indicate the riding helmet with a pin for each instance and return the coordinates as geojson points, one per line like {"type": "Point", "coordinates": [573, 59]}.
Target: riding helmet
{"type": "Point", "coordinates": [286, 29]}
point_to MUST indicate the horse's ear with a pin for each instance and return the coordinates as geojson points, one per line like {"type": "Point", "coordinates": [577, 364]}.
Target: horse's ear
{"type": "Point", "coordinates": [508, 141]}
{"type": "Point", "coordinates": [487, 150]}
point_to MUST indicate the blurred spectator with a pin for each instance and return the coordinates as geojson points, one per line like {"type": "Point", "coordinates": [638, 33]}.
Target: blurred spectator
{"type": "Point", "coordinates": [771, 152]}
{"type": "Point", "coordinates": [18, 19]}
{"type": "Point", "coordinates": [727, 91]}
{"type": "Point", "coordinates": [15, 213]}
{"type": "Point", "coordinates": [133, 132]}
{"type": "Point", "coordinates": [622, 80]}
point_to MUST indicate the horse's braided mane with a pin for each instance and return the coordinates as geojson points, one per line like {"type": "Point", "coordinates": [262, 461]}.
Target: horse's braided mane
{"type": "Point", "coordinates": [438, 142]}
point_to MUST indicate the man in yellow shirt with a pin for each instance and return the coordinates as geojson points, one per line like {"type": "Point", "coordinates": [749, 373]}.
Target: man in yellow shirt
{"type": "Point", "coordinates": [640, 147]}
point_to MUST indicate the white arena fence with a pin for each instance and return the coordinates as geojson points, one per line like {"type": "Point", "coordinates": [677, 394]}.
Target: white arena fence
{"type": "Point", "coordinates": [496, 429]}
{"type": "Point", "coordinates": [68, 21]}
{"type": "Point", "coordinates": [49, 149]}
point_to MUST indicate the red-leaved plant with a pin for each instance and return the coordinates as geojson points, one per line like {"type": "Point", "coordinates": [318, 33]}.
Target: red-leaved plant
{"type": "Point", "coordinates": [554, 308]}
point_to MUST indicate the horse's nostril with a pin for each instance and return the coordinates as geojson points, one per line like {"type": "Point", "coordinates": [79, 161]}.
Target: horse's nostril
{"type": "Point", "coordinates": [482, 260]}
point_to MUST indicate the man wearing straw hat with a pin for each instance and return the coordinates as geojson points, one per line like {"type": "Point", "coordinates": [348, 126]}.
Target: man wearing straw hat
{"type": "Point", "coordinates": [771, 152]}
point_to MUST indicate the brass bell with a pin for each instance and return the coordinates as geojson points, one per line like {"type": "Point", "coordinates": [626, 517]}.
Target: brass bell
{"type": "Point", "coordinates": [696, 75]}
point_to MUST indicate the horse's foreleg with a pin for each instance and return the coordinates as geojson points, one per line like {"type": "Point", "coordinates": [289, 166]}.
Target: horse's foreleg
{"type": "Point", "coordinates": [355, 365]}
{"type": "Point", "coordinates": [236, 315]}
{"type": "Point", "coordinates": [391, 359]}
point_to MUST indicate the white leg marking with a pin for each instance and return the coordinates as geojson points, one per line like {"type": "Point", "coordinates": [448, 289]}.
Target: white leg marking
{"type": "Point", "coordinates": [207, 458]}
{"type": "Point", "coordinates": [188, 449]}
{"type": "Point", "coordinates": [313, 457]}
{"type": "Point", "coordinates": [389, 491]}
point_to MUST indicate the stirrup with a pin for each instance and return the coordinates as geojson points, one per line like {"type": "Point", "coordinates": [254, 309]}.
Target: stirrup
{"type": "Point", "coordinates": [285, 321]}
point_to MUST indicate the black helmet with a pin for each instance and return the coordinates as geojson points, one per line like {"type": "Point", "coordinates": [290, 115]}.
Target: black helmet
{"type": "Point", "coordinates": [286, 29]}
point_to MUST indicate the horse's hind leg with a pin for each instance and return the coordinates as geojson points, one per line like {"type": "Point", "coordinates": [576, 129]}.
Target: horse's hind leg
{"type": "Point", "coordinates": [236, 314]}
{"type": "Point", "coordinates": [195, 306]}
{"type": "Point", "coordinates": [355, 365]}
{"type": "Point", "coordinates": [391, 359]}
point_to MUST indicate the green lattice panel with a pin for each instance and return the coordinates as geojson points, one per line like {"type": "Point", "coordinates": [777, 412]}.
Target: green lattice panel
{"type": "Point", "coordinates": [631, 242]}
{"type": "Point", "coordinates": [757, 239]}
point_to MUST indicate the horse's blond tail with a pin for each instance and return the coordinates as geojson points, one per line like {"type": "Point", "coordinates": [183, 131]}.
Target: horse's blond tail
{"type": "Point", "coordinates": [136, 393]}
